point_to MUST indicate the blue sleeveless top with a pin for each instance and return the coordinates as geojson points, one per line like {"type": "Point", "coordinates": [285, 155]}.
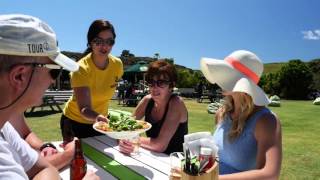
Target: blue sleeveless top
{"type": "Point", "coordinates": [240, 154]}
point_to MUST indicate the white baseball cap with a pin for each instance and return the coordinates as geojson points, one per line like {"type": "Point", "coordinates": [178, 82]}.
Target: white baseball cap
{"type": "Point", "coordinates": [25, 35]}
{"type": "Point", "coordinates": [238, 72]}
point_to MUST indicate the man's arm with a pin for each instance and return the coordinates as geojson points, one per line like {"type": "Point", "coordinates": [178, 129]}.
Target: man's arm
{"type": "Point", "coordinates": [43, 170]}
{"type": "Point", "coordinates": [19, 123]}
{"type": "Point", "coordinates": [59, 160]}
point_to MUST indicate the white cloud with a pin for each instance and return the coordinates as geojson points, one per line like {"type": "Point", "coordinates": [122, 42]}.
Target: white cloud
{"type": "Point", "coordinates": [311, 34]}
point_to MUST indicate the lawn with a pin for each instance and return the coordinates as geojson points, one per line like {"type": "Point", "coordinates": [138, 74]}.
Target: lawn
{"type": "Point", "coordinates": [300, 127]}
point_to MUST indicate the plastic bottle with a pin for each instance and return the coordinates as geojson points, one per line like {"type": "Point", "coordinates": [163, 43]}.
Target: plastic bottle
{"type": "Point", "coordinates": [78, 166]}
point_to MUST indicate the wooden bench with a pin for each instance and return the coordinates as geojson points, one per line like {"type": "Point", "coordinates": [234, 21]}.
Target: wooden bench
{"type": "Point", "coordinates": [210, 96]}
{"type": "Point", "coordinates": [54, 99]}
{"type": "Point", "coordinates": [203, 96]}
{"type": "Point", "coordinates": [60, 96]}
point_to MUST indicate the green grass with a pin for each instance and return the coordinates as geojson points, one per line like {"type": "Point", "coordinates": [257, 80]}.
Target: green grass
{"type": "Point", "coordinates": [300, 133]}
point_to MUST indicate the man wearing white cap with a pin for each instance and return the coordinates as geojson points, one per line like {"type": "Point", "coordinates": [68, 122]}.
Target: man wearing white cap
{"type": "Point", "coordinates": [29, 62]}
{"type": "Point", "coordinates": [248, 134]}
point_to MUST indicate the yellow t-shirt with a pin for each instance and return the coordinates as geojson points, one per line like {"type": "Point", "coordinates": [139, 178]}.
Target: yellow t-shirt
{"type": "Point", "coordinates": [102, 84]}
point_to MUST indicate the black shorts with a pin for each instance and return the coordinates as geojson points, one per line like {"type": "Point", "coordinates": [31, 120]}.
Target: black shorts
{"type": "Point", "coordinates": [71, 129]}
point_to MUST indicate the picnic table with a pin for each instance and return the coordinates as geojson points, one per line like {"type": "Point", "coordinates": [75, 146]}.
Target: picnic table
{"type": "Point", "coordinates": [48, 101]}
{"type": "Point", "coordinates": [207, 95]}
{"type": "Point", "coordinates": [53, 99]}
{"type": "Point", "coordinates": [133, 99]}
{"type": "Point", "coordinates": [212, 97]}
{"type": "Point", "coordinates": [102, 154]}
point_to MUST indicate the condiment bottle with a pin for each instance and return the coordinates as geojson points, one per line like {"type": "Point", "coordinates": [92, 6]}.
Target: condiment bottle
{"type": "Point", "coordinates": [78, 166]}
{"type": "Point", "coordinates": [205, 156]}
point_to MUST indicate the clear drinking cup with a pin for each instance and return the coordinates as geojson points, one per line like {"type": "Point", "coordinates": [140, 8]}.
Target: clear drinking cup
{"type": "Point", "coordinates": [136, 144]}
{"type": "Point", "coordinates": [175, 164]}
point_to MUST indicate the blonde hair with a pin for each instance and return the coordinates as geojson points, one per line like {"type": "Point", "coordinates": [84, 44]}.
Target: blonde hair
{"type": "Point", "coordinates": [242, 106]}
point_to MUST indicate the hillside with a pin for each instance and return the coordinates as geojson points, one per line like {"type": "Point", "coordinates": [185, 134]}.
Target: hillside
{"type": "Point", "coordinates": [272, 67]}
{"type": "Point", "coordinates": [128, 61]}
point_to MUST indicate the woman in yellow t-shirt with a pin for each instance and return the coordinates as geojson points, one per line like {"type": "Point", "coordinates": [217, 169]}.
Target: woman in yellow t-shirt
{"type": "Point", "coordinates": [93, 85]}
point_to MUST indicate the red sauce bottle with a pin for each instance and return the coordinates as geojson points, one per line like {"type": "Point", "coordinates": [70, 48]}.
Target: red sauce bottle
{"type": "Point", "coordinates": [206, 155]}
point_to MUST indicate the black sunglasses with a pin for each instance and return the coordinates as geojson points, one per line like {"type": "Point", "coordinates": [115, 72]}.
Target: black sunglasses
{"type": "Point", "coordinates": [99, 41]}
{"type": "Point", "coordinates": [159, 83]}
{"type": "Point", "coordinates": [55, 70]}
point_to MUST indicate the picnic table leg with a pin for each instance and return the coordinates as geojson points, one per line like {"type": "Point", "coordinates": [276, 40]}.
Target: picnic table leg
{"type": "Point", "coordinates": [32, 109]}
{"type": "Point", "coordinates": [52, 108]}
{"type": "Point", "coordinates": [58, 106]}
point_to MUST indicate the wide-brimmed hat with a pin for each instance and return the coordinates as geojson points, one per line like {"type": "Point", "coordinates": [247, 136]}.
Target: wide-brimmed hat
{"type": "Point", "coordinates": [238, 72]}
{"type": "Point", "coordinates": [25, 35]}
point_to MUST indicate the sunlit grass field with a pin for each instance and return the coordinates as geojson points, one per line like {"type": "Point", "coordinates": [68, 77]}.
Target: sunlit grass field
{"type": "Point", "coordinates": [300, 132]}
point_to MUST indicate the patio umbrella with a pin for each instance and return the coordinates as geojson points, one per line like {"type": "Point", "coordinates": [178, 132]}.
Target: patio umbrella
{"type": "Point", "coordinates": [139, 68]}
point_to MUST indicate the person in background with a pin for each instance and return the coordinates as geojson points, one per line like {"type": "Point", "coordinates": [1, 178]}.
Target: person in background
{"type": "Point", "coordinates": [165, 111]}
{"type": "Point", "coordinates": [121, 90]}
{"type": "Point", "coordinates": [93, 85]}
{"type": "Point", "coordinates": [130, 94]}
{"type": "Point", "coordinates": [199, 89]}
{"type": "Point", "coordinates": [47, 150]}
{"type": "Point", "coordinates": [247, 134]}
{"type": "Point", "coordinates": [29, 62]}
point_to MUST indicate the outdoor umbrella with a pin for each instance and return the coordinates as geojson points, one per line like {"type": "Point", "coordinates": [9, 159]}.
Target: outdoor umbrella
{"type": "Point", "coordinates": [138, 69]}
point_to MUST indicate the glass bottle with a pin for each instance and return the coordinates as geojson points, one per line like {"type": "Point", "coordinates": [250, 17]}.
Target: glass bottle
{"type": "Point", "coordinates": [206, 157]}
{"type": "Point", "coordinates": [78, 166]}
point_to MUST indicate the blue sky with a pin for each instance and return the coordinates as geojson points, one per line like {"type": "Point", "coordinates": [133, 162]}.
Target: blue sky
{"type": "Point", "coordinates": [186, 30]}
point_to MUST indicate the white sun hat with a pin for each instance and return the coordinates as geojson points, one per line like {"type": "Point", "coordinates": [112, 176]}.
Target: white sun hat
{"type": "Point", "coordinates": [25, 35]}
{"type": "Point", "coordinates": [238, 72]}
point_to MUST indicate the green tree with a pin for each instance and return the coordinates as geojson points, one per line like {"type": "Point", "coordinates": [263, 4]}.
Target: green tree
{"type": "Point", "coordinates": [314, 65]}
{"type": "Point", "coordinates": [156, 55]}
{"type": "Point", "coordinates": [295, 80]}
{"type": "Point", "coordinates": [188, 78]}
{"type": "Point", "coordinates": [126, 53]}
{"type": "Point", "coordinates": [270, 83]}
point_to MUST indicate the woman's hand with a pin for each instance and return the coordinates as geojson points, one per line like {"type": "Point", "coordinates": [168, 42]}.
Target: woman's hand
{"type": "Point", "coordinates": [90, 175]}
{"type": "Point", "coordinates": [125, 146]}
{"type": "Point", "coordinates": [69, 149]}
{"type": "Point", "coordinates": [48, 151]}
{"type": "Point", "coordinates": [101, 118]}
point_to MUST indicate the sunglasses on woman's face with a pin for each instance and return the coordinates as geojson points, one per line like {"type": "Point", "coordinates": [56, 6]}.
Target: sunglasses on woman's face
{"type": "Point", "coordinates": [102, 42]}
{"type": "Point", "coordinates": [159, 83]}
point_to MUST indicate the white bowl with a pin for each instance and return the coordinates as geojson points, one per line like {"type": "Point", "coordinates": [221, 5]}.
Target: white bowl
{"type": "Point", "coordinates": [122, 134]}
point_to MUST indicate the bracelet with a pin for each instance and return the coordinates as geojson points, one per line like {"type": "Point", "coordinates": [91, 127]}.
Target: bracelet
{"type": "Point", "coordinates": [47, 145]}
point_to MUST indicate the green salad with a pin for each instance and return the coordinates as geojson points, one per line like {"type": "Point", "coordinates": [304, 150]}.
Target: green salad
{"type": "Point", "coordinates": [123, 123]}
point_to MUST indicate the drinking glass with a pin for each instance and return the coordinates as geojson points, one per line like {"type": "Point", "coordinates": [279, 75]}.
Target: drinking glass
{"type": "Point", "coordinates": [175, 164]}
{"type": "Point", "coordinates": [135, 140]}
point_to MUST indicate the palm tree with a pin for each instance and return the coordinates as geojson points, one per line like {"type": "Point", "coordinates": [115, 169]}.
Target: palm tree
{"type": "Point", "coordinates": [156, 55]}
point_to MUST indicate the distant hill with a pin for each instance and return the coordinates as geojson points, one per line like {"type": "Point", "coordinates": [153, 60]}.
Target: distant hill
{"type": "Point", "coordinates": [272, 67]}
{"type": "Point", "coordinates": [128, 61]}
